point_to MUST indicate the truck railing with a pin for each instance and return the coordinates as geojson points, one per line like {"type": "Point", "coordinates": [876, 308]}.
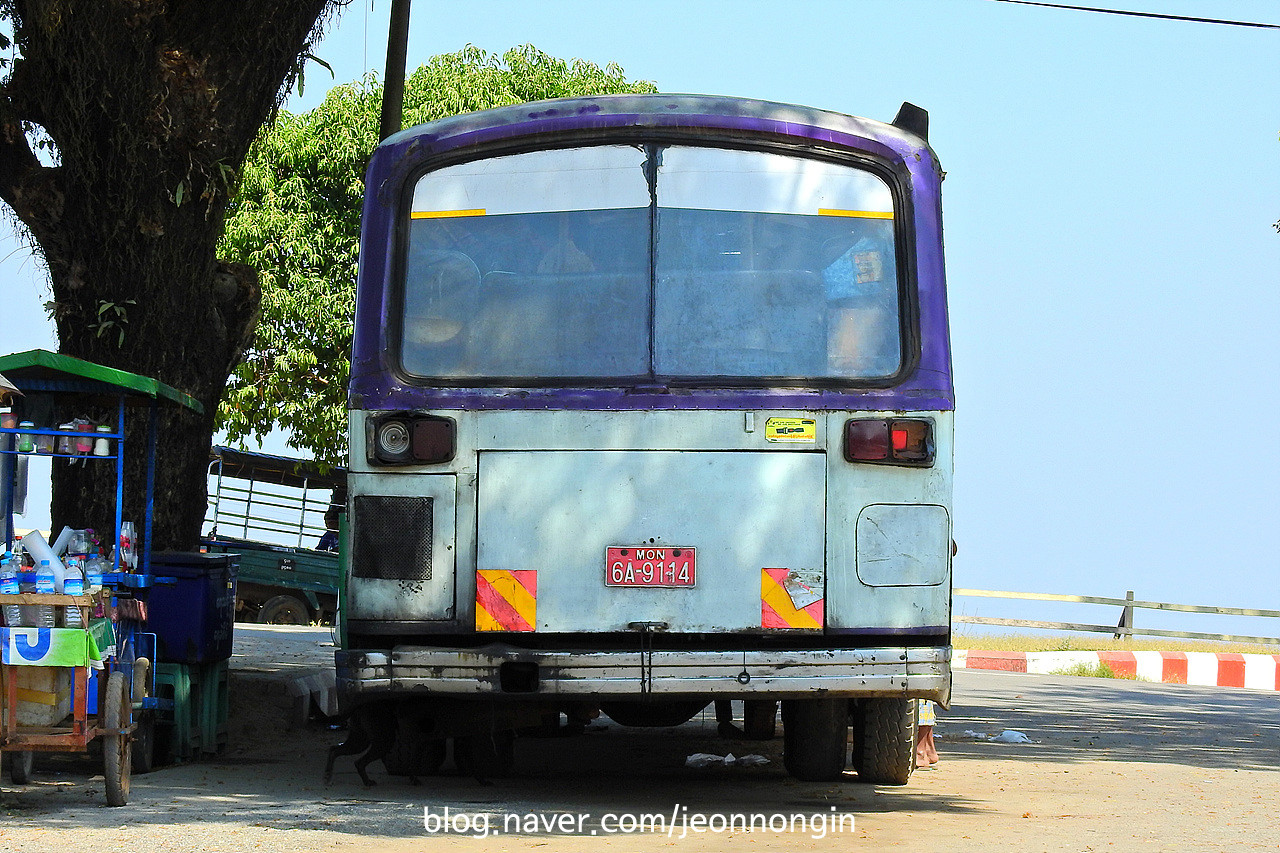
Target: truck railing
{"type": "Point", "coordinates": [244, 519]}
{"type": "Point", "coordinates": [260, 496]}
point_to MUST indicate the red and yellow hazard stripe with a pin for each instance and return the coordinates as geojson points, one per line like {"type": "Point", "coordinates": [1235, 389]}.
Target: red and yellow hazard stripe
{"type": "Point", "coordinates": [506, 600]}
{"type": "Point", "coordinates": [776, 609]}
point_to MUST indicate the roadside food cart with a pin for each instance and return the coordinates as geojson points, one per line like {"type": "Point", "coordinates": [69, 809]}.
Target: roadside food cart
{"type": "Point", "coordinates": [64, 687]}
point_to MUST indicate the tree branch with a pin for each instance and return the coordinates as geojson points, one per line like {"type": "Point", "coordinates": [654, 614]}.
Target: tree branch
{"type": "Point", "coordinates": [27, 186]}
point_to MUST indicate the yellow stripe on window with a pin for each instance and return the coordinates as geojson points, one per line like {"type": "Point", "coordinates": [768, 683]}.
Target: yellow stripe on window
{"type": "Point", "coordinates": [446, 214]}
{"type": "Point", "coordinates": [856, 214]}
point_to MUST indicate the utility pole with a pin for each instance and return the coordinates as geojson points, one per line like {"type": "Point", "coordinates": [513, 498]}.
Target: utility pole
{"type": "Point", "coordinates": [397, 56]}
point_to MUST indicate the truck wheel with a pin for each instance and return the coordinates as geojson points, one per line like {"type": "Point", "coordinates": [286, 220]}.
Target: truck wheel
{"type": "Point", "coordinates": [760, 718]}
{"type": "Point", "coordinates": [284, 610]}
{"type": "Point", "coordinates": [884, 740]}
{"type": "Point", "coordinates": [815, 738]}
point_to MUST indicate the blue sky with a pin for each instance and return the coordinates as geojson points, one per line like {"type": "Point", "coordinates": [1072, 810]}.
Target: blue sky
{"type": "Point", "coordinates": [1113, 271]}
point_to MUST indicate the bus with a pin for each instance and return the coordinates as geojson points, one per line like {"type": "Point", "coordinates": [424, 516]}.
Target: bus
{"type": "Point", "coordinates": [651, 407]}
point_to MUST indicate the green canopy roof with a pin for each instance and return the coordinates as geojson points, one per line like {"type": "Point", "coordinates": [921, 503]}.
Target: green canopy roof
{"type": "Point", "coordinates": [41, 370]}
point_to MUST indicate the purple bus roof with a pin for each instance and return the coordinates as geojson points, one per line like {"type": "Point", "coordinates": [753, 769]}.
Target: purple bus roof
{"type": "Point", "coordinates": [377, 384]}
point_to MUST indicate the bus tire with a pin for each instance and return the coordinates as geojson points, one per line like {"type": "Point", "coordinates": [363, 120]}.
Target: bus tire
{"type": "Point", "coordinates": [284, 610]}
{"type": "Point", "coordinates": [760, 718]}
{"type": "Point", "coordinates": [815, 738]}
{"type": "Point", "coordinates": [884, 740]}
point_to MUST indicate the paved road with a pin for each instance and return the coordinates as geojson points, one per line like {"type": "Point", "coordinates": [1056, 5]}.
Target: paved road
{"type": "Point", "coordinates": [1112, 766]}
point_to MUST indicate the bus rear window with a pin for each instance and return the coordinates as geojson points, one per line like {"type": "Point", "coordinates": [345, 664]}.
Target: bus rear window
{"type": "Point", "coordinates": [678, 263]}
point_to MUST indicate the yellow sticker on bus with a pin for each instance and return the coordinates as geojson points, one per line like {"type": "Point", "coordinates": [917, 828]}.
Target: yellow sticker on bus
{"type": "Point", "coordinates": [856, 214]}
{"type": "Point", "coordinates": [790, 430]}
{"type": "Point", "coordinates": [446, 214]}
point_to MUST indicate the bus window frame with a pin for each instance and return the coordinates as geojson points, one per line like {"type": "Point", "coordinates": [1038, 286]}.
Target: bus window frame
{"type": "Point", "coordinates": [896, 175]}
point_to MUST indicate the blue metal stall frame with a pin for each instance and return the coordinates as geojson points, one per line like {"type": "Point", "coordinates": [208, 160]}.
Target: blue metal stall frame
{"type": "Point", "coordinates": [41, 371]}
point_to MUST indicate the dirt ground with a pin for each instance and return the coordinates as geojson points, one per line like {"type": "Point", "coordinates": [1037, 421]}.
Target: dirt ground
{"type": "Point", "coordinates": [1111, 766]}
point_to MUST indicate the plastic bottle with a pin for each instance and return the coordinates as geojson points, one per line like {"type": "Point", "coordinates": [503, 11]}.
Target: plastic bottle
{"type": "Point", "coordinates": [78, 549]}
{"type": "Point", "coordinates": [9, 586]}
{"type": "Point", "coordinates": [94, 568]}
{"type": "Point", "coordinates": [45, 617]}
{"type": "Point", "coordinates": [73, 579]}
{"type": "Point", "coordinates": [44, 443]}
{"type": "Point", "coordinates": [26, 441]}
{"type": "Point", "coordinates": [72, 584]}
{"type": "Point", "coordinates": [24, 585]}
{"type": "Point", "coordinates": [128, 546]}
{"type": "Point", "coordinates": [66, 441]}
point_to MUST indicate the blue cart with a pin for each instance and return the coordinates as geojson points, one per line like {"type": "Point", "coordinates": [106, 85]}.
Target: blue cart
{"type": "Point", "coordinates": [100, 674]}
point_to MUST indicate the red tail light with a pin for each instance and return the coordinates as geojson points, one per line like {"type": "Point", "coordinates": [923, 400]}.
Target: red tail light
{"type": "Point", "coordinates": [889, 441]}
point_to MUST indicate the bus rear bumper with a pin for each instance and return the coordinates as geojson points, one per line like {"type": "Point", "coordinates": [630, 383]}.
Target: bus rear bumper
{"type": "Point", "coordinates": [502, 671]}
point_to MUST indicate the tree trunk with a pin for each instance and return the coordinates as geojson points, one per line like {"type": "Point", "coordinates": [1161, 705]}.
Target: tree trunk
{"type": "Point", "coordinates": [151, 108]}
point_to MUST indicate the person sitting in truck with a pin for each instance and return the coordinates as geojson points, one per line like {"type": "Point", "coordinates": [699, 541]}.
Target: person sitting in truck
{"type": "Point", "coordinates": [329, 541]}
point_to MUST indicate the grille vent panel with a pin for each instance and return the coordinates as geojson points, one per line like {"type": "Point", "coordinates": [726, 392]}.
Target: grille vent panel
{"type": "Point", "coordinates": [393, 537]}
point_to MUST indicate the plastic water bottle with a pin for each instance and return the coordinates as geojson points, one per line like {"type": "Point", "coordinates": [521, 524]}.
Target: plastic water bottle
{"type": "Point", "coordinates": [93, 570]}
{"type": "Point", "coordinates": [77, 556]}
{"type": "Point", "coordinates": [45, 617]}
{"type": "Point", "coordinates": [9, 586]}
{"type": "Point", "coordinates": [72, 584]}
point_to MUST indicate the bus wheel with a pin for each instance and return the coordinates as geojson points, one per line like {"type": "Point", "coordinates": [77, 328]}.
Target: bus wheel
{"type": "Point", "coordinates": [815, 738]}
{"type": "Point", "coordinates": [760, 718]}
{"type": "Point", "coordinates": [884, 740]}
{"type": "Point", "coordinates": [284, 610]}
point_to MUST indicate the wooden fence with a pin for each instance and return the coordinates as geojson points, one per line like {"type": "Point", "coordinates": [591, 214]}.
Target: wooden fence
{"type": "Point", "coordinates": [1124, 628]}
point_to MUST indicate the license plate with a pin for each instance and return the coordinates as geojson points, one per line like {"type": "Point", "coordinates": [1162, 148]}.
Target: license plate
{"type": "Point", "coordinates": [649, 567]}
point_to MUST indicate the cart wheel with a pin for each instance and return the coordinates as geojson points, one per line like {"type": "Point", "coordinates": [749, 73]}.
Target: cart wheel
{"type": "Point", "coordinates": [284, 610]}
{"type": "Point", "coordinates": [117, 749]}
{"type": "Point", "coordinates": [144, 742]}
{"type": "Point", "coordinates": [20, 766]}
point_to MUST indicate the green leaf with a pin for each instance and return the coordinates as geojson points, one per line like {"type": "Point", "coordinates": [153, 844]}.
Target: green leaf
{"type": "Point", "coordinates": [318, 61]}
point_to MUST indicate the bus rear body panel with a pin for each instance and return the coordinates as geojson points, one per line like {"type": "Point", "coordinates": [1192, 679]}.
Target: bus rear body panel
{"type": "Point", "coordinates": [793, 549]}
{"type": "Point", "coordinates": [650, 406]}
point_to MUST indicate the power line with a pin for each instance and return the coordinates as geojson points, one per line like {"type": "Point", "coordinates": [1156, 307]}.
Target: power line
{"type": "Point", "coordinates": [1142, 14]}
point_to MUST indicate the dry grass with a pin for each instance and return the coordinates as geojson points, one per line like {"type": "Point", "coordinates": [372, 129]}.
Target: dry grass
{"type": "Point", "coordinates": [1096, 670]}
{"type": "Point", "coordinates": [1098, 643]}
